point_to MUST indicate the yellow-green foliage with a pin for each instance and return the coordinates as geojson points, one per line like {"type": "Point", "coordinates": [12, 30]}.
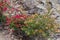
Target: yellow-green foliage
{"type": "Point", "coordinates": [39, 24]}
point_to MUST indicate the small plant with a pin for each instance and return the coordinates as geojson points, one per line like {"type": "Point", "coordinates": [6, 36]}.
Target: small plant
{"type": "Point", "coordinates": [39, 24]}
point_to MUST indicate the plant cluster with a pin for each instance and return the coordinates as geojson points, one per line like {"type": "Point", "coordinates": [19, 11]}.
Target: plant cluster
{"type": "Point", "coordinates": [16, 21]}
{"type": "Point", "coordinates": [39, 24]}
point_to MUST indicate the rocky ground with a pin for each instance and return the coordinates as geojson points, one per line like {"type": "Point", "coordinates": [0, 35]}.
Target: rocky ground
{"type": "Point", "coordinates": [4, 36]}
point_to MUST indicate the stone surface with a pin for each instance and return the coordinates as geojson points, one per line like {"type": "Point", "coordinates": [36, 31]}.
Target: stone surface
{"type": "Point", "coordinates": [4, 37]}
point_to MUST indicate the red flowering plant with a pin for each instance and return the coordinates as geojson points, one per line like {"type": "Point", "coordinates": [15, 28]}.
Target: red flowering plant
{"type": "Point", "coordinates": [16, 21]}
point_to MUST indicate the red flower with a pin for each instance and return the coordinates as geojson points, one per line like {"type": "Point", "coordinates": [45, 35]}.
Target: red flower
{"type": "Point", "coordinates": [5, 8]}
{"type": "Point", "coordinates": [21, 16]}
{"type": "Point", "coordinates": [17, 16]}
